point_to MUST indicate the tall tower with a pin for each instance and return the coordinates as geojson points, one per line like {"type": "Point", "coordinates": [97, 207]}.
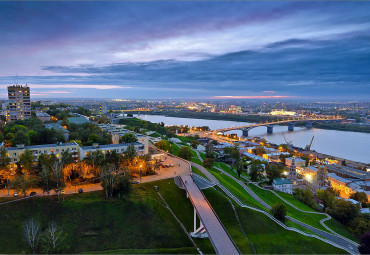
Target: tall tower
{"type": "Point", "coordinates": [322, 177]}
{"type": "Point", "coordinates": [293, 175]}
{"type": "Point", "coordinates": [19, 102]}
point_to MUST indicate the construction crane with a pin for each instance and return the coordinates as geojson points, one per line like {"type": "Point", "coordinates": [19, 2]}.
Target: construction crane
{"type": "Point", "coordinates": [289, 144]}
{"type": "Point", "coordinates": [308, 147]}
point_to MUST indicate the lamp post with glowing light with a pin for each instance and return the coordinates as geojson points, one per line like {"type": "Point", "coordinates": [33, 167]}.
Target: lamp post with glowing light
{"type": "Point", "coordinates": [140, 172]}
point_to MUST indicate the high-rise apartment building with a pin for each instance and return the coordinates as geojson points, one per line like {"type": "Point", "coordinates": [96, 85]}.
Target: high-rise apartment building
{"type": "Point", "coordinates": [19, 106]}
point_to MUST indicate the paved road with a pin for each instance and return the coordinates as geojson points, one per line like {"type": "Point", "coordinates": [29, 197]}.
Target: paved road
{"type": "Point", "coordinates": [216, 232]}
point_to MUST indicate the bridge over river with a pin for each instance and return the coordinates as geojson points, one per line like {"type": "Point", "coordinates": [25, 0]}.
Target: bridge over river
{"type": "Point", "coordinates": [270, 125]}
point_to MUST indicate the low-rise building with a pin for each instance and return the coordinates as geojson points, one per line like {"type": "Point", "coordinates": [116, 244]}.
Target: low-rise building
{"type": "Point", "coordinates": [119, 148]}
{"type": "Point", "coordinates": [37, 150]}
{"type": "Point", "coordinates": [297, 161]}
{"type": "Point", "coordinates": [283, 185]}
{"type": "Point", "coordinates": [43, 116]}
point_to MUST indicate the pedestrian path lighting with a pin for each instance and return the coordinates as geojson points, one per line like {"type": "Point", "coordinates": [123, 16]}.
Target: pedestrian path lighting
{"type": "Point", "coordinates": [140, 172]}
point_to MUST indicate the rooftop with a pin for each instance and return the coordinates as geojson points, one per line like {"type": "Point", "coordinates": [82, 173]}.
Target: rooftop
{"type": "Point", "coordinates": [281, 181]}
{"type": "Point", "coordinates": [108, 146]}
{"type": "Point", "coordinates": [33, 147]}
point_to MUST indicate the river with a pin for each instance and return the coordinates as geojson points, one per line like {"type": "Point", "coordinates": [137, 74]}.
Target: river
{"type": "Point", "coordinates": [349, 145]}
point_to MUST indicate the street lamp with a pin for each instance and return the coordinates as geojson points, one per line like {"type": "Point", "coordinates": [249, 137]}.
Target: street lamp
{"type": "Point", "coordinates": [140, 172]}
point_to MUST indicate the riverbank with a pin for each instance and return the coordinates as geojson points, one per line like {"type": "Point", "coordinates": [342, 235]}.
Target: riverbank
{"type": "Point", "coordinates": [256, 119]}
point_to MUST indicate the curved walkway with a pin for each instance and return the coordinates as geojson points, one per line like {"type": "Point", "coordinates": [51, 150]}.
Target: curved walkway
{"type": "Point", "coordinates": [349, 245]}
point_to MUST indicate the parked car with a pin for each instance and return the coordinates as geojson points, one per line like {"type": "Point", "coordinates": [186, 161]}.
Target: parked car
{"type": "Point", "coordinates": [80, 190]}
{"type": "Point", "coordinates": [134, 182]}
{"type": "Point", "coordinates": [15, 194]}
{"type": "Point", "coordinates": [62, 192]}
{"type": "Point", "coordinates": [171, 165]}
{"type": "Point", "coordinates": [32, 193]}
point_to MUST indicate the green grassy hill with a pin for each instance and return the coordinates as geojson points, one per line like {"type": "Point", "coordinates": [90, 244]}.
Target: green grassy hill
{"type": "Point", "coordinates": [266, 236]}
{"type": "Point", "coordinates": [93, 223]}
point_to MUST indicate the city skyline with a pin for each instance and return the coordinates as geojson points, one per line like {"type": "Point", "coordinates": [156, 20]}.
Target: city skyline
{"type": "Point", "coordinates": [210, 50]}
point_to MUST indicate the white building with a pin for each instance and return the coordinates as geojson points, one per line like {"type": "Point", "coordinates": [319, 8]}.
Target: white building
{"type": "Point", "coordinates": [283, 185]}
{"type": "Point", "coordinates": [119, 148]}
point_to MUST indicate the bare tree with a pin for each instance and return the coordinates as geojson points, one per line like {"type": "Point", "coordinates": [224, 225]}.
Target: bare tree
{"type": "Point", "coordinates": [32, 234]}
{"type": "Point", "coordinates": [53, 237]}
{"type": "Point", "coordinates": [108, 178]}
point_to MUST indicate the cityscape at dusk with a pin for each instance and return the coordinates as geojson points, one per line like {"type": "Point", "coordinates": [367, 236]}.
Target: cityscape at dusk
{"type": "Point", "coordinates": [185, 127]}
{"type": "Point", "coordinates": [178, 49]}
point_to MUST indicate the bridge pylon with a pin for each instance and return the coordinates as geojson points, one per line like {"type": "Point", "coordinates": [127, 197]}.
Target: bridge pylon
{"type": "Point", "coordinates": [199, 232]}
{"type": "Point", "coordinates": [245, 132]}
{"type": "Point", "coordinates": [270, 129]}
{"type": "Point", "coordinates": [291, 126]}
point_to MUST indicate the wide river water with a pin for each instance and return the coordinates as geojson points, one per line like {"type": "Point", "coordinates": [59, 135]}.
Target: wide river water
{"type": "Point", "coordinates": [349, 145]}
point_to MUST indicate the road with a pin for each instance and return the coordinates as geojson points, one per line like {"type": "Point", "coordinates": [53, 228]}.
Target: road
{"type": "Point", "coordinates": [221, 241]}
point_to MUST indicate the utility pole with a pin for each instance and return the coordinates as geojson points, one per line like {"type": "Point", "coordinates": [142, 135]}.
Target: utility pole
{"type": "Point", "coordinates": [7, 183]}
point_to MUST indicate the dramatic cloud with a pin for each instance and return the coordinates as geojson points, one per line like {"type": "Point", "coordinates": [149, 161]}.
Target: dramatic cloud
{"type": "Point", "coordinates": [187, 49]}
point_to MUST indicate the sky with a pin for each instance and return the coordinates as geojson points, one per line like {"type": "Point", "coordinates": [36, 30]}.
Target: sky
{"type": "Point", "coordinates": [190, 49]}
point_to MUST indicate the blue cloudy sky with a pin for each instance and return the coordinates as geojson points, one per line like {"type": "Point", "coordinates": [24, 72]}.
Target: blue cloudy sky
{"type": "Point", "coordinates": [189, 49]}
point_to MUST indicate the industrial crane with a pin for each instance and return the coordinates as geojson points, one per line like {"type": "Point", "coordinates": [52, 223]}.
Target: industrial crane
{"type": "Point", "coordinates": [289, 144]}
{"type": "Point", "coordinates": [308, 147]}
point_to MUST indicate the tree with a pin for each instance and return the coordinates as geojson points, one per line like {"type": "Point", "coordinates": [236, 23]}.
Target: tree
{"type": "Point", "coordinates": [129, 138]}
{"type": "Point", "coordinates": [67, 158]}
{"type": "Point", "coordinates": [130, 153]}
{"type": "Point", "coordinates": [326, 197]}
{"type": "Point", "coordinates": [305, 196]}
{"type": "Point", "coordinates": [122, 184]}
{"type": "Point", "coordinates": [364, 247]}
{"type": "Point", "coordinates": [210, 150]}
{"type": "Point", "coordinates": [22, 184]}
{"type": "Point", "coordinates": [57, 176]}
{"type": "Point", "coordinates": [185, 153]}
{"type": "Point", "coordinates": [108, 179]}
{"type": "Point", "coordinates": [260, 150]}
{"type": "Point", "coordinates": [95, 159]}
{"type": "Point", "coordinates": [208, 162]}
{"type": "Point", "coordinates": [239, 167]}
{"type": "Point", "coordinates": [359, 196]}
{"type": "Point", "coordinates": [163, 145]}
{"type": "Point", "coordinates": [279, 211]}
{"type": "Point", "coordinates": [194, 144]}
{"type": "Point", "coordinates": [273, 172]}
{"type": "Point", "coordinates": [53, 237]}
{"type": "Point", "coordinates": [20, 138]}
{"type": "Point", "coordinates": [360, 225]}
{"type": "Point", "coordinates": [27, 159]}
{"type": "Point", "coordinates": [344, 211]}
{"type": "Point", "coordinates": [31, 233]}
{"type": "Point", "coordinates": [256, 171]}
{"type": "Point", "coordinates": [4, 159]}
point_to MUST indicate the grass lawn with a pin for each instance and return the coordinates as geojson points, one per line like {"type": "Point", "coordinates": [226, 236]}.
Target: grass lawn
{"type": "Point", "coordinates": [271, 199]}
{"type": "Point", "coordinates": [226, 168]}
{"type": "Point", "coordinates": [175, 148]}
{"type": "Point", "coordinates": [291, 199]}
{"type": "Point", "coordinates": [93, 223]}
{"type": "Point", "coordinates": [146, 251]}
{"type": "Point", "coordinates": [266, 236]}
{"type": "Point", "coordinates": [202, 155]}
{"type": "Point", "coordinates": [198, 172]}
{"type": "Point", "coordinates": [236, 189]}
{"type": "Point", "coordinates": [197, 160]}
{"type": "Point", "coordinates": [183, 209]}
{"type": "Point", "coordinates": [338, 227]}
{"type": "Point", "coordinates": [292, 224]}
